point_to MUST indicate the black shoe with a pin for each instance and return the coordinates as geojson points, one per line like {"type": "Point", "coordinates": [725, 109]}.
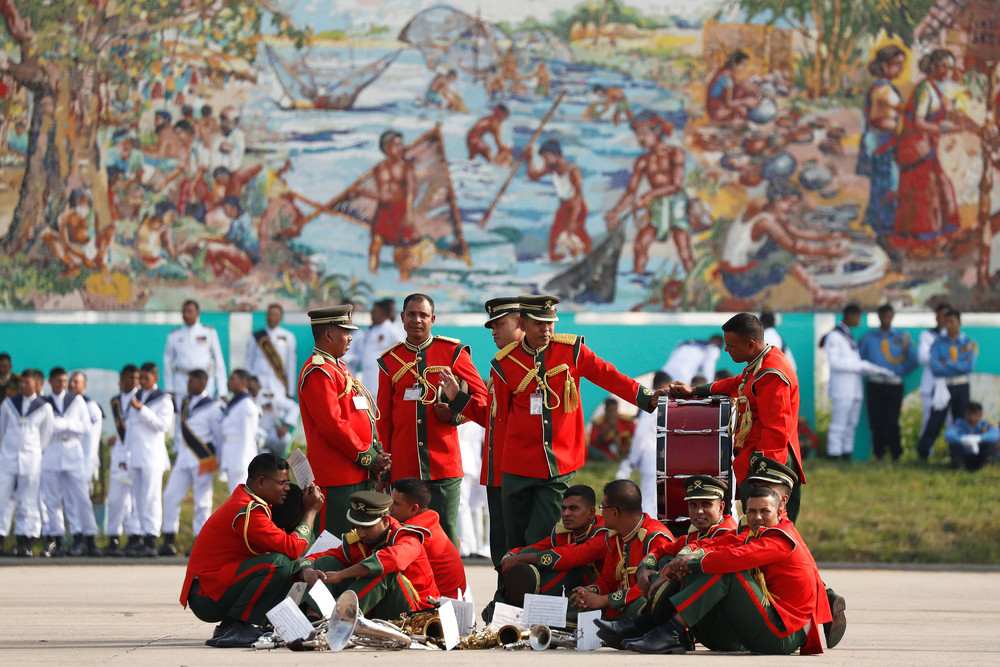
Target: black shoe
{"type": "Point", "coordinates": [835, 629]}
{"type": "Point", "coordinates": [147, 549]}
{"type": "Point", "coordinates": [92, 550]}
{"type": "Point", "coordinates": [114, 546]}
{"type": "Point", "coordinates": [668, 638]}
{"type": "Point", "coordinates": [79, 548]}
{"type": "Point", "coordinates": [488, 612]}
{"type": "Point", "coordinates": [222, 628]}
{"type": "Point", "coordinates": [51, 547]}
{"type": "Point", "coordinates": [241, 635]}
{"type": "Point", "coordinates": [614, 632]}
{"type": "Point", "coordinates": [23, 549]}
{"type": "Point", "coordinates": [133, 544]}
{"type": "Point", "coordinates": [168, 548]}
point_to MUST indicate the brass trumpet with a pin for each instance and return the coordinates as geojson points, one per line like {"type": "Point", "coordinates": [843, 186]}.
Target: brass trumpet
{"type": "Point", "coordinates": [543, 637]}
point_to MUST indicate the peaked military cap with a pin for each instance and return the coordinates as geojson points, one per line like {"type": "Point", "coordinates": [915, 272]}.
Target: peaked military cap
{"type": "Point", "coordinates": [704, 487]}
{"type": "Point", "coordinates": [497, 308]}
{"type": "Point", "coordinates": [769, 470]}
{"type": "Point", "coordinates": [339, 315]}
{"type": "Point", "coordinates": [368, 507]}
{"type": "Point", "coordinates": [539, 307]}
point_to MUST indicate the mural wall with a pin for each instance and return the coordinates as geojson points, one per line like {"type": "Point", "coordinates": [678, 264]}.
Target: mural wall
{"type": "Point", "coordinates": [628, 156]}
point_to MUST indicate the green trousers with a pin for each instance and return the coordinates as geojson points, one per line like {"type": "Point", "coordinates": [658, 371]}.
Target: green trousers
{"type": "Point", "coordinates": [384, 596]}
{"type": "Point", "coordinates": [445, 495]}
{"type": "Point", "coordinates": [261, 582]}
{"type": "Point", "coordinates": [729, 610]}
{"type": "Point", "coordinates": [554, 583]}
{"type": "Point", "coordinates": [531, 506]}
{"type": "Point", "coordinates": [498, 531]}
{"type": "Point", "coordinates": [334, 515]}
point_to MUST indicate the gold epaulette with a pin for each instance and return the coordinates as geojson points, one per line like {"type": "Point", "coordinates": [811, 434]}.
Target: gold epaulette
{"type": "Point", "coordinates": [561, 529]}
{"type": "Point", "coordinates": [642, 534]}
{"type": "Point", "coordinates": [391, 349]}
{"type": "Point", "coordinates": [507, 350]}
{"type": "Point", "coordinates": [448, 339]}
{"type": "Point", "coordinates": [317, 360]}
{"type": "Point", "coordinates": [568, 339]}
{"type": "Point", "coordinates": [353, 538]}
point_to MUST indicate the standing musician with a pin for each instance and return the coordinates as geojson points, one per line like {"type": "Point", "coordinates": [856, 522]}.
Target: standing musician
{"type": "Point", "coordinates": [271, 354]}
{"type": "Point", "coordinates": [415, 425]}
{"type": "Point", "coordinates": [121, 511]}
{"type": "Point", "coordinates": [338, 417]}
{"type": "Point", "coordinates": [241, 562]}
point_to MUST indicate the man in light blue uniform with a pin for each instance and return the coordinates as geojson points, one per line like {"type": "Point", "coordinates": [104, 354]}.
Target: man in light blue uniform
{"type": "Point", "coordinates": [953, 359]}
{"type": "Point", "coordinates": [894, 351]}
{"type": "Point", "coordinates": [972, 440]}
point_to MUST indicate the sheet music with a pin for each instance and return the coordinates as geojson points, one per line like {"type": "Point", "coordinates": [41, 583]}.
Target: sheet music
{"type": "Point", "coordinates": [323, 598]}
{"type": "Point", "coordinates": [324, 542]}
{"type": "Point", "coordinates": [300, 466]}
{"type": "Point", "coordinates": [505, 614]}
{"type": "Point", "coordinates": [588, 639]}
{"type": "Point", "coordinates": [465, 614]}
{"type": "Point", "coordinates": [545, 610]}
{"type": "Point", "coordinates": [449, 625]}
{"type": "Point", "coordinates": [289, 622]}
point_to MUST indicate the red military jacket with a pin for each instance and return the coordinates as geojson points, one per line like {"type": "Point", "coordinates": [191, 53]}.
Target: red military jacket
{"type": "Point", "coordinates": [767, 389]}
{"type": "Point", "coordinates": [545, 431]}
{"type": "Point", "coordinates": [239, 530]}
{"type": "Point", "coordinates": [623, 556]}
{"type": "Point", "coordinates": [338, 415]}
{"type": "Point", "coordinates": [792, 580]}
{"type": "Point", "coordinates": [620, 442]}
{"type": "Point", "coordinates": [691, 540]}
{"type": "Point", "coordinates": [491, 415]}
{"type": "Point", "coordinates": [420, 444]}
{"type": "Point", "coordinates": [562, 550]}
{"type": "Point", "coordinates": [402, 552]}
{"type": "Point", "coordinates": [446, 563]}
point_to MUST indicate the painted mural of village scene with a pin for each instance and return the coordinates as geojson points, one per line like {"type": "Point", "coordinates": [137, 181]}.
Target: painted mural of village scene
{"type": "Point", "coordinates": [651, 155]}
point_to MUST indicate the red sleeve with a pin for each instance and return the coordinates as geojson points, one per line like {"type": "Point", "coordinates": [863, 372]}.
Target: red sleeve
{"type": "Point", "coordinates": [771, 547]}
{"type": "Point", "coordinates": [728, 386]}
{"type": "Point", "coordinates": [606, 376]}
{"type": "Point", "coordinates": [591, 550]}
{"type": "Point", "coordinates": [399, 555]}
{"type": "Point", "coordinates": [634, 593]}
{"type": "Point", "coordinates": [321, 391]}
{"type": "Point", "coordinates": [384, 403]}
{"type": "Point", "coordinates": [607, 583]}
{"type": "Point", "coordinates": [262, 536]}
{"type": "Point", "coordinates": [660, 549]}
{"type": "Point", "coordinates": [774, 414]}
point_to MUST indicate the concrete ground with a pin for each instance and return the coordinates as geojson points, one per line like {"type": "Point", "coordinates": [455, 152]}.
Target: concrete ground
{"type": "Point", "coordinates": [69, 612]}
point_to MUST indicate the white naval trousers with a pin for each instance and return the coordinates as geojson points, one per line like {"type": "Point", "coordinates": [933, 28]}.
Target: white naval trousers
{"type": "Point", "coordinates": [843, 423]}
{"type": "Point", "coordinates": [181, 479]}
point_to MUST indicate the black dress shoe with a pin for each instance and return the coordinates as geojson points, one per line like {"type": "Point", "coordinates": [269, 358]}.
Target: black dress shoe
{"type": "Point", "coordinates": [614, 632]}
{"type": "Point", "coordinates": [668, 638]}
{"type": "Point", "coordinates": [241, 635]}
{"type": "Point", "coordinates": [223, 628]}
{"type": "Point", "coordinates": [835, 629]}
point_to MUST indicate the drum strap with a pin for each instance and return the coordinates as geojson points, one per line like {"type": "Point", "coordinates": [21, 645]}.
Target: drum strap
{"type": "Point", "coordinates": [741, 421]}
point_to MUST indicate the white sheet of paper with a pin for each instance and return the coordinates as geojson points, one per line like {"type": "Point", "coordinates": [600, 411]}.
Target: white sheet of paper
{"type": "Point", "coordinates": [505, 614]}
{"type": "Point", "coordinates": [324, 542]}
{"type": "Point", "coordinates": [588, 639]}
{"type": "Point", "coordinates": [323, 598]}
{"type": "Point", "coordinates": [289, 621]}
{"type": "Point", "coordinates": [545, 610]}
{"type": "Point", "coordinates": [300, 466]}
{"type": "Point", "coordinates": [465, 614]}
{"type": "Point", "coordinates": [449, 625]}
{"type": "Point", "coordinates": [297, 592]}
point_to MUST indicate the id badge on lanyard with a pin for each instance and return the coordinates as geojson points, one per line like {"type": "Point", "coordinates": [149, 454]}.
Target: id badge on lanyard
{"type": "Point", "coordinates": [536, 403]}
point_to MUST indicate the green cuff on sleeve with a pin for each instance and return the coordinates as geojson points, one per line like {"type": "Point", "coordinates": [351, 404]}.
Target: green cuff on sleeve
{"type": "Point", "coordinates": [617, 600]}
{"type": "Point", "coordinates": [373, 564]}
{"type": "Point", "coordinates": [458, 403]}
{"type": "Point", "coordinates": [649, 562]}
{"type": "Point", "coordinates": [547, 560]}
{"type": "Point", "coordinates": [644, 398]}
{"type": "Point", "coordinates": [366, 459]}
{"type": "Point", "coordinates": [703, 391]}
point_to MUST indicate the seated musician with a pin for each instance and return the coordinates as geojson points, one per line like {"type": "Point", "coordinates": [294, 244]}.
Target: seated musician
{"type": "Point", "coordinates": [632, 534]}
{"type": "Point", "coordinates": [381, 560]}
{"type": "Point", "coordinates": [571, 556]}
{"type": "Point", "coordinates": [410, 498]}
{"type": "Point", "coordinates": [759, 590]}
{"type": "Point", "coordinates": [241, 562]}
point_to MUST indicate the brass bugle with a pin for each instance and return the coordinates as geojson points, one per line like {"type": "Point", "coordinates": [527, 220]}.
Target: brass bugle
{"type": "Point", "coordinates": [542, 637]}
{"type": "Point", "coordinates": [510, 636]}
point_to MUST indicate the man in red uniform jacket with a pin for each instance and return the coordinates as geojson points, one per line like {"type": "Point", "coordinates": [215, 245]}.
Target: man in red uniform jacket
{"type": "Point", "coordinates": [410, 497]}
{"type": "Point", "coordinates": [381, 560]}
{"type": "Point", "coordinates": [545, 441]}
{"type": "Point", "coordinates": [241, 563]}
{"type": "Point", "coordinates": [758, 590]}
{"type": "Point", "coordinates": [572, 556]}
{"type": "Point", "coordinates": [338, 416]}
{"type": "Point", "coordinates": [415, 425]}
{"type": "Point", "coordinates": [632, 535]}
{"type": "Point", "coordinates": [766, 395]}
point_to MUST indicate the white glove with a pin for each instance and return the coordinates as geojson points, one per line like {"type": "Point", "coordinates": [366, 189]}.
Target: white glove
{"type": "Point", "coordinates": [941, 396]}
{"type": "Point", "coordinates": [971, 442]}
{"type": "Point", "coordinates": [223, 476]}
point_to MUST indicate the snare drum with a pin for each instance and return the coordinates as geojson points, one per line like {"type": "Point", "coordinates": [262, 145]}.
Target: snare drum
{"type": "Point", "coordinates": [692, 438]}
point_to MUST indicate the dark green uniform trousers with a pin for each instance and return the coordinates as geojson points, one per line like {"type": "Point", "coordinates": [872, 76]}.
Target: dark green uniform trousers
{"type": "Point", "coordinates": [445, 495]}
{"type": "Point", "coordinates": [531, 506]}
{"type": "Point", "coordinates": [726, 611]}
{"type": "Point", "coordinates": [498, 531]}
{"type": "Point", "coordinates": [334, 515]}
{"type": "Point", "coordinates": [384, 596]}
{"type": "Point", "coordinates": [261, 582]}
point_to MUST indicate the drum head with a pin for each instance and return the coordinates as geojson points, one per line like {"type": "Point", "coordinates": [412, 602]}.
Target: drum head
{"type": "Point", "coordinates": [288, 514]}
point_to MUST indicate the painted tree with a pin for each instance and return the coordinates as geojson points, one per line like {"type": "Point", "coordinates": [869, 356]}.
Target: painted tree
{"type": "Point", "coordinates": [834, 29]}
{"type": "Point", "coordinates": [62, 53]}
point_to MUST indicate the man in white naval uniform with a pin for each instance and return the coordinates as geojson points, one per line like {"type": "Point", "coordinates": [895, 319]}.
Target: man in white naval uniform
{"type": "Point", "coordinates": [376, 339]}
{"type": "Point", "coordinates": [120, 510]}
{"type": "Point", "coordinates": [148, 418]}
{"type": "Point", "coordinates": [195, 465]}
{"type": "Point", "coordinates": [775, 339]}
{"type": "Point", "coordinates": [693, 357]}
{"type": "Point", "coordinates": [237, 432]}
{"type": "Point", "coordinates": [278, 416]}
{"type": "Point", "coordinates": [26, 422]}
{"type": "Point", "coordinates": [642, 455]}
{"type": "Point", "coordinates": [63, 480]}
{"type": "Point", "coordinates": [846, 388]}
{"type": "Point", "coordinates": [271, 355]}
{"type": "Point", "coordinates": [924, 344]}
{"type": "Point", "coordinates": [191, 347]}
{"type": "Point", "coordinates": [83, 541]}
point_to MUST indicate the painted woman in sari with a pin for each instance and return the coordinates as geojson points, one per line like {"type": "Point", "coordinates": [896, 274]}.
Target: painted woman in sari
{"type": "Point", "coordinates": [877, 151]}
{"type": "Point", "coordinates": [927, 210]}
